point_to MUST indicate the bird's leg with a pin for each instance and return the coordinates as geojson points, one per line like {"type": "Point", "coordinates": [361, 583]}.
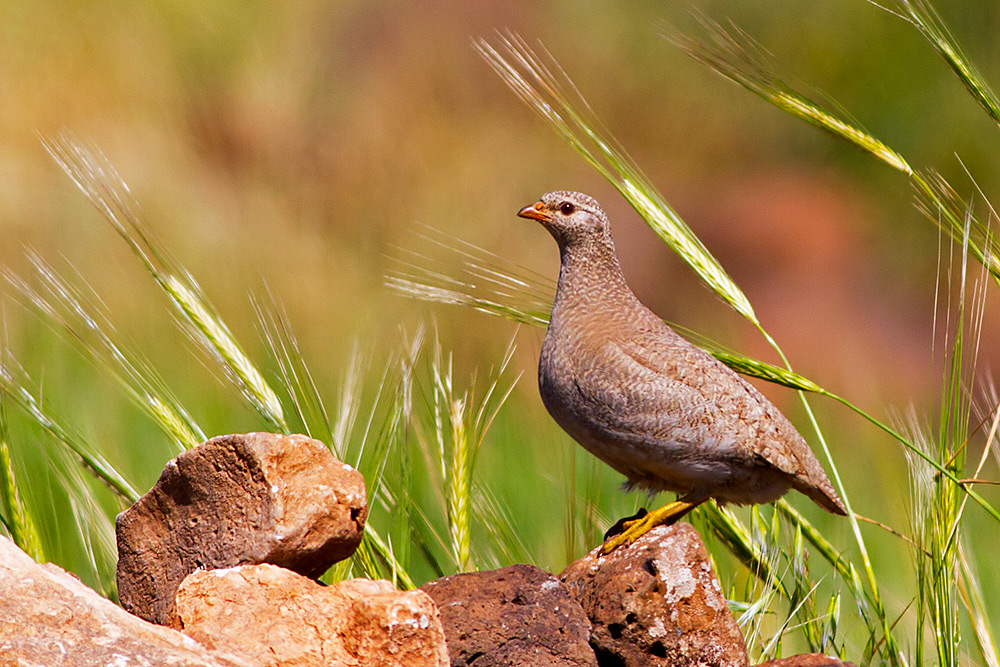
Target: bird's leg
{"type": "Point", "coordinates": [665, 515]}
{"type": "Point", "coordinates": [623, 523]}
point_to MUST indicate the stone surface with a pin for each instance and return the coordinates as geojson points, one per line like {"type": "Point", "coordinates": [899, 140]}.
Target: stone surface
{"type": "Point", "coordinates": [254, 498]}
{"type": "Point", "coordinates": [271, 616]}
{"type": "Point", "coordinates": [49, 618]}
{"type": "Point", "coordinates": [807, 660]}
{"type": "Point", "coordinates": [657, 602]}
{"type": "Point", "coordinates": [519, 615]}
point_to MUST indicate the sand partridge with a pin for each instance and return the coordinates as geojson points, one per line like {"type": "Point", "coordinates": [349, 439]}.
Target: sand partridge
{"type": "Point", "coordinates": [630, 390]}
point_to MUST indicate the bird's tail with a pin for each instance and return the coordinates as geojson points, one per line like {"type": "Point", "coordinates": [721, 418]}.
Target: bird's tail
{"type": "Point", "coordinates": [822, 494]}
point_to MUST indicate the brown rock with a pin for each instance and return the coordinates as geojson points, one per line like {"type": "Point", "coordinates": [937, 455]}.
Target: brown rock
{"type": "Point", "coordinates": [520, 615]}
{"type": "Point", "coordinates": [47, 618]}
{"type": "Point", "coordinates": [254, 498]}
{"type": "Point", "coordinates": [271, 616]}
{"type": "Point", "coordinates": [807, 660]}
{"type": "Point", "coordinates": [657, 602]}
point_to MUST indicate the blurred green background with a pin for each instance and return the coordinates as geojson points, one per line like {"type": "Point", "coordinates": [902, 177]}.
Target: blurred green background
{"type": "Point", "coordinates": [298, 145]}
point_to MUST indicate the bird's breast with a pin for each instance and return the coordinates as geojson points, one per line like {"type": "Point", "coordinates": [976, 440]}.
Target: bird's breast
{"type": "Point", "coordinates": [567, 372]}
{"type": "Point", "coordinates": [653, 429]}
{"type": "Point", "coordinates": [559, 383]}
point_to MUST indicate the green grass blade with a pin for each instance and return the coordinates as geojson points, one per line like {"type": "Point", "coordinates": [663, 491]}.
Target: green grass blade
{"type": "Point", "coordinates": [21, 525]}
{"type": "Point", "coordinates": [92, 529]}
{"type": "Point", "coordinates": [495, 517]}
{"type": "Point", "coordinates": [892, 647]}
{"type": "Point", "coordinates": [482, 280]}
{"type": "Point", "coordinates": [768, 372]}
{"type": "Point", "coordinates": [940, 204]}
{"type": "Point", "coordinates": [75, 313]}
{"type": "Point", "coordinates": [417, 288]}
{"type": "Point", "coordinates": [911, 447]}
{"type": "Point", "coordinates": [295, 375]}
{"type": "Point", "coordinates": [87, 456]}
{"type": "Point", "coordinates": [376, 545]}
{"type": "Point", "coordinates": [543, 85]}
{"type": "Point", "coordinates": [459, 484]}
{"type": "Point", "coordinates": [735, 536]}
{"type": "Point", "coordinates": [734, 55]}
{"type": "Point", "coordinates": [96, 177]}
{"type": "Point", "coordinates": [975, 605]}
{"type": "Point", "coordinates": [207, 329]}
{"type": "Point", "coordinates": [925, 18]}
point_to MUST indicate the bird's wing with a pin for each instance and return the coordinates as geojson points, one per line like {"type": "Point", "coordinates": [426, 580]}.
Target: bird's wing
{"type": "Point", "coordinates": [669, 391]}
{"type": "Point", "coordinates": [705, 390]}
{"type": "Point", "coordinates": [658, 391]}
{"type": "Point", "coordinates": [736, 408]}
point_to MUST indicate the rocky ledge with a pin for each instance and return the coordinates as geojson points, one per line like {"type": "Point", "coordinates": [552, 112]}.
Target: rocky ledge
{"type": "Point", "coordinates": [217, 565]}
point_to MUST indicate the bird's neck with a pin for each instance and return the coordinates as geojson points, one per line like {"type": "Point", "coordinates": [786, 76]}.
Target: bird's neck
{"type": "Point", "coordinates": [590, 275]}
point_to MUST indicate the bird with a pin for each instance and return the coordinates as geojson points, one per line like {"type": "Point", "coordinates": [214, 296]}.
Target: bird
{"type": "Point", "coordinates": [634, 393]}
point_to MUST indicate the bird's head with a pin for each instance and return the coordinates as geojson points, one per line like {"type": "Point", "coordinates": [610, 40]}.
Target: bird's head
{"type": "Point", "coordinates": [571, 217]}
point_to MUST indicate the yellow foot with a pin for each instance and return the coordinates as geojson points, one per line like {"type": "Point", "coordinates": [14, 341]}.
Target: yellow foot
{"type": "Point", "coordinates": [638, 527]}
{"type": "Point", "coordinates": [624, 523]}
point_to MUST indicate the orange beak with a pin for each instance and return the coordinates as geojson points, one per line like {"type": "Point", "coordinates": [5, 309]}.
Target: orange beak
{"type": "Point", "coordinates": [535, 212]}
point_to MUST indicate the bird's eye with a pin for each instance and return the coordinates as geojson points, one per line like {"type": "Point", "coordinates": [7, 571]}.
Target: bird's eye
{"type": "Point", "coordinates": [566, 208]}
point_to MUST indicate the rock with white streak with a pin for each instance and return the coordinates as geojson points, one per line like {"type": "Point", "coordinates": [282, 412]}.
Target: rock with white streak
{"type": "Point", "coordinates": [657, 602]}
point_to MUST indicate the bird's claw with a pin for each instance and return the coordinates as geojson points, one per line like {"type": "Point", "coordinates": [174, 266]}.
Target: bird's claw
{"type": "Point", "coordinates": [623, 523]}
{"type": "Point", "coordinates": [636, 528]}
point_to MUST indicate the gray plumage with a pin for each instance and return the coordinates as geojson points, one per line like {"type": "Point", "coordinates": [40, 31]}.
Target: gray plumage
{"type": "Point", "coordinates": [657, 409]}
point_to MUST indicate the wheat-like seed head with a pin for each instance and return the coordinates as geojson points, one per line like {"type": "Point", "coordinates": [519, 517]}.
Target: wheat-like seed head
{"type": "Point", "coordinates": [543, 85]}
{"type": "Point", "coordinates": [214, 335]}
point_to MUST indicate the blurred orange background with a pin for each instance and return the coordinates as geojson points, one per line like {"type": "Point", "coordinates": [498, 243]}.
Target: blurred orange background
{"type": "Point", "coordinates": [299, 144]}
